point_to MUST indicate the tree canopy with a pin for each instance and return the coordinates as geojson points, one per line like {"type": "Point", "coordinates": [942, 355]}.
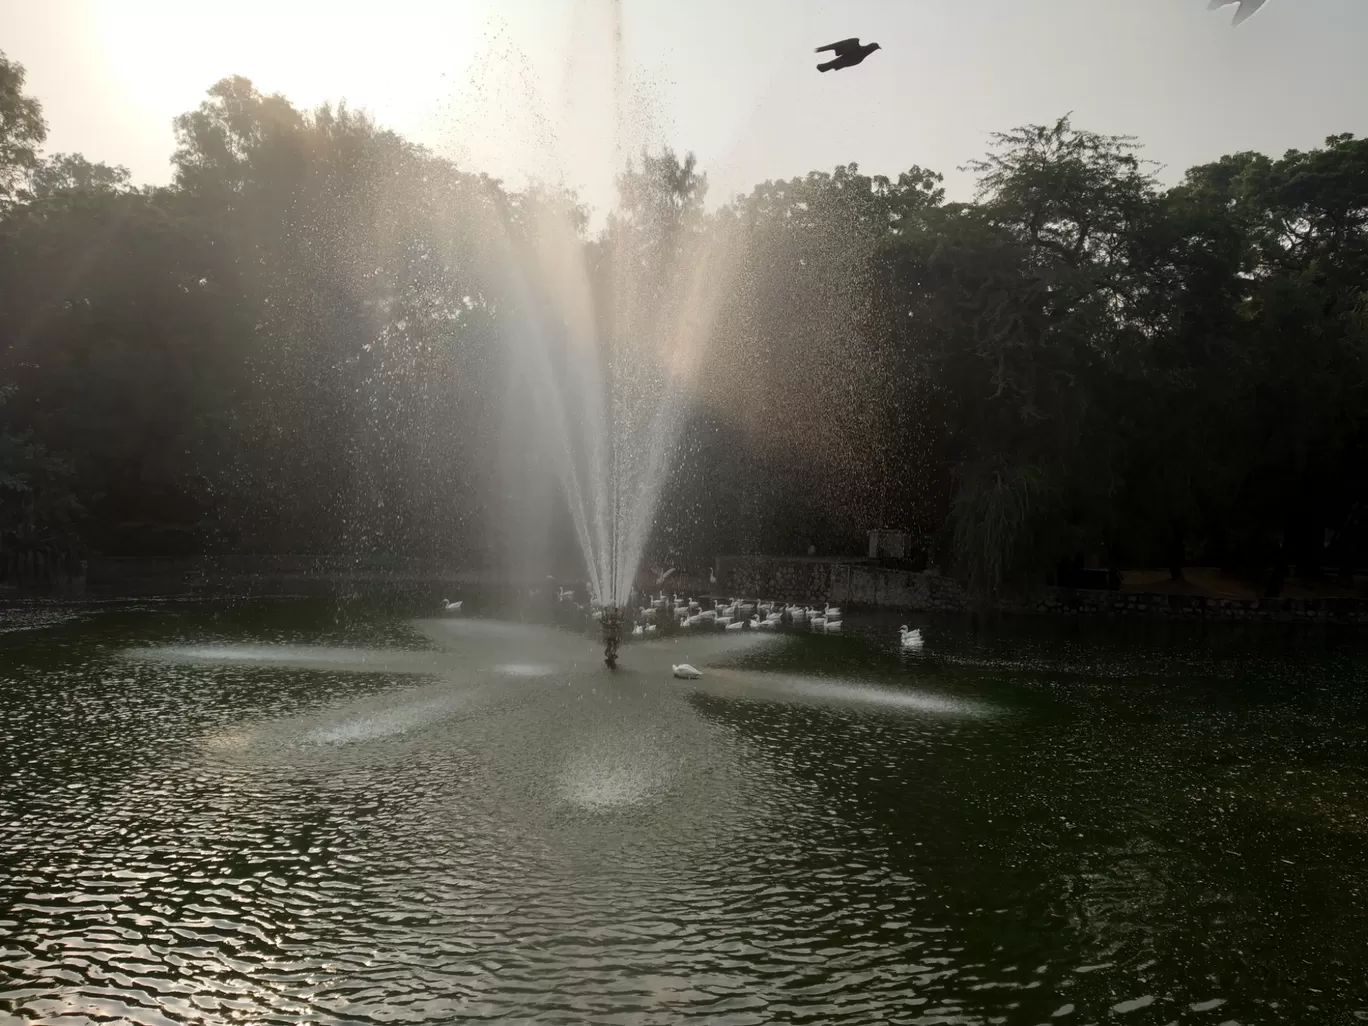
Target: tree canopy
{"type": "Point", "coordinates": [306, 343]}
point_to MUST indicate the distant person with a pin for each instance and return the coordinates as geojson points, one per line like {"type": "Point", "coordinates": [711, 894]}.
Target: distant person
{"type": "Point", "coordinates": [849, 53]}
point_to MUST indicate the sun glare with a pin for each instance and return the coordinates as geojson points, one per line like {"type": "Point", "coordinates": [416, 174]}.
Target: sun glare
{"type": "Point", "coordinates": [399, 67]}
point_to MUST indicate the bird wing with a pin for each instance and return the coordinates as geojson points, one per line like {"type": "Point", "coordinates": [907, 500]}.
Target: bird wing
{"type": "Point", "coordinates": [1247, 9]}
{"type": "Point", "coordinates": [842, 47]}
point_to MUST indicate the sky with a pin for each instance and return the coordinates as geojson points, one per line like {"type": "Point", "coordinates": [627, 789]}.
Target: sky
{"type": "Point", "coordinates": [541, 88]}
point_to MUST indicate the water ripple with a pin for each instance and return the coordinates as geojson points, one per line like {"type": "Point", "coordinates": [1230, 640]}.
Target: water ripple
{"type": "Point", "coordinates": [491, 831]}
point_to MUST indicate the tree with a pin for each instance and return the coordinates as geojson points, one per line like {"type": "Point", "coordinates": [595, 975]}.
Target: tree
{"type": "Point", "coordinates": [71, 172]}
{"type": "Point", "coordinates": [307, 342]}
{"type": "Point", "coordinates": [22, 130]}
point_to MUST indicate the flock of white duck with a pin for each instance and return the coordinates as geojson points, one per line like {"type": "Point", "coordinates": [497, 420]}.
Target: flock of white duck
{"type": "Point", "coordinates": [737, 614]}
{"type": "Point", "coordinates": [732, 615]}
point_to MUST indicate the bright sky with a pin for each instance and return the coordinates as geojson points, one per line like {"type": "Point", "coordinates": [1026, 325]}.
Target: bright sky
{"type": "Point", "coordinates": [527, 86]}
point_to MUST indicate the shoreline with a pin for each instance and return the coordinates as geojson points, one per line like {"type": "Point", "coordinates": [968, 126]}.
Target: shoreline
{"type": "Point", "coordinates": [857, 585]}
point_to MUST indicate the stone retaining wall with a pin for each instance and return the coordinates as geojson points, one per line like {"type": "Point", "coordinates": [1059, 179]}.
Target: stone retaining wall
{"type": "Point", "coordinates": [868, 584]}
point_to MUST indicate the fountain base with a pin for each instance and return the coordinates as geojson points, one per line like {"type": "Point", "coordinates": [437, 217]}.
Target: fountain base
{"type": "Point", "coordinates": [612, 635]}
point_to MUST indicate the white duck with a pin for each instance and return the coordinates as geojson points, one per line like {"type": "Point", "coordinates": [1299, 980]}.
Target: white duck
{"type": "Point", "coordinates": [638, 630]}
{"type": "Point", "coordinates": [735, 625]}
{"type": "Point", "coordinates": [451, 607]}
{"type": "Point", "coordinates": [685, 672]}
{"type": "Point", "coordinates": [910, 640]}
{"type": "Point", "coordinates": [565, 594]}
{"type": "Point", "coordinates": [650, 628]}
{"type": "Point", "coordinates": [832, 611]}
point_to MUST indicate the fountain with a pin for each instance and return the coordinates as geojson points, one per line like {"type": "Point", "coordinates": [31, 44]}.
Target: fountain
{"type": "Point", "coordinates": [612, 635]}
{"type": "Point", "coordinates": [606, 342]}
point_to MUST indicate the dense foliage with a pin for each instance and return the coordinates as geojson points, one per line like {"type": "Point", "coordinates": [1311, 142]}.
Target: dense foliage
{"type": "Point", "coordinates": [301, 345]}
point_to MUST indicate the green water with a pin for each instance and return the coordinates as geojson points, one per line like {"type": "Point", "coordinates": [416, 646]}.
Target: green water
{"type": "Point", "coordinates": [287, 812]}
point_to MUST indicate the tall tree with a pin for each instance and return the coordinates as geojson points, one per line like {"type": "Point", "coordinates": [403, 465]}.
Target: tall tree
{"type": "Point", "coordinates": [22, 130]}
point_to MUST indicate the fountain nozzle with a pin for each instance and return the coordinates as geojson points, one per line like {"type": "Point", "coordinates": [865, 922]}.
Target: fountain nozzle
{"type": "Point", "coordinates": [612, 635]}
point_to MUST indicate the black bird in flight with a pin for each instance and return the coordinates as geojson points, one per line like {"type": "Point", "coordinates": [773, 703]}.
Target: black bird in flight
{"type": "Point", "coordinates": [1245, 10]}
{"type": "Point", "coordinates": [848, 52]}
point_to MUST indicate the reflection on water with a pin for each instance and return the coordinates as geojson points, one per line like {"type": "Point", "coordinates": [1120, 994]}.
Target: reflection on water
{"type": "Point", "coordinates": [796, 687]}
{"type": "Point", "coordinates": [463, 820]}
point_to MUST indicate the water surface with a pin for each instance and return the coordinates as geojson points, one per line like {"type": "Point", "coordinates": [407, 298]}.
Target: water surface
{"type": "Point", "coordinates": [279, 814]}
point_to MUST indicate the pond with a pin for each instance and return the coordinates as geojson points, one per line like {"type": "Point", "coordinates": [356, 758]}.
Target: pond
{"type": "Point", "coordinates": [288, 812]}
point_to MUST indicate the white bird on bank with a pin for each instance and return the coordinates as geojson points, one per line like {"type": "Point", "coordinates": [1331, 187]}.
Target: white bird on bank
{"type": "Point", "coordinates": [451, 607]}
{"type": "Point", "coordinates": [565, 594]}
{"type": "Point", "coordinates": [910, 640]}
{"type": "Point", "coordinates": [650, 628]}
{"type": "Point", "coordinates": [685, 672]}
{"type": "Point", "coordinates": [638, 631]}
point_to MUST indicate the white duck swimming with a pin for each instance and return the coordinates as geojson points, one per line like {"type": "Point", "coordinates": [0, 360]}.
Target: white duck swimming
{"type": "Point", "coordinates": [735, 625]}
{"type": "Point", "coordinates": [451, 607]}
{"type": "Point", "coordinates": [910, 639]}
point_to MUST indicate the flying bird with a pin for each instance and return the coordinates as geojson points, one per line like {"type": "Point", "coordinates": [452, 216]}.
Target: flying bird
{"type": "Point", "coordinates": [848, 52]}
{"type": "Point", "coordinates": [1245, 8]}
